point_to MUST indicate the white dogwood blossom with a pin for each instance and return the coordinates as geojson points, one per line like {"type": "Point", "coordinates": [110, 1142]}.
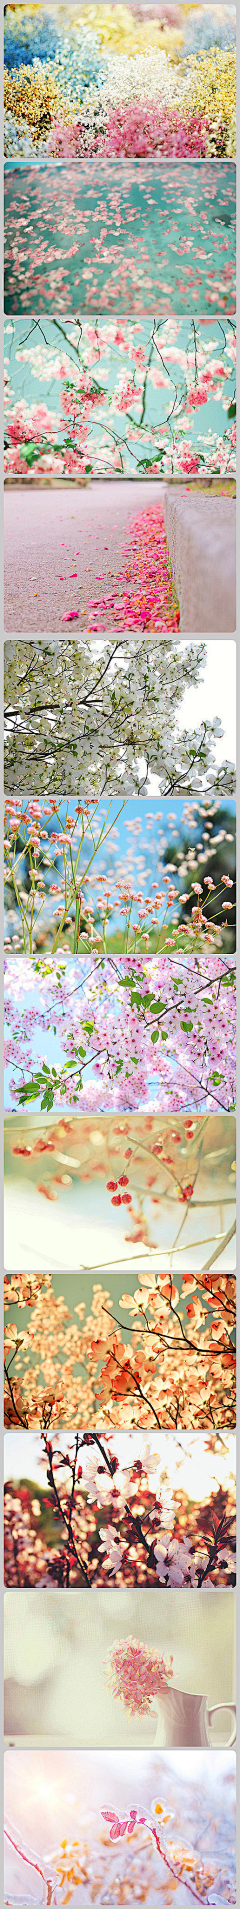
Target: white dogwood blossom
{"type": "Point", "coordinates": [102, 717]}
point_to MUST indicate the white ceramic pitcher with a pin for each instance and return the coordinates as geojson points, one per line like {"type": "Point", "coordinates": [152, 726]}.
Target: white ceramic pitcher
{"type": "Point", "coordinates": [185, 1719]}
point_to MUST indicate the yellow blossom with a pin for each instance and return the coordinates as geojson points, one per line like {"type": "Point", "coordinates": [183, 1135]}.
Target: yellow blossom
{"type": "Point", "coordinates": [118, 28]}
{"type": "Point", "coordinates": [33, 102]}
{"type": "Point", "coordinates": [212, 93]}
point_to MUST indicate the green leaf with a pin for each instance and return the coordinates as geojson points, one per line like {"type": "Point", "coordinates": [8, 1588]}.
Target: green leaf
{"type": "Point", "coordinates": [155, 1035]}
{"type": "Point", "coordinates": [232, 409]}
{"type": "Point", "coordinates": [31, 453]}
{"type": "Point", "coordinates": [186, 1026]}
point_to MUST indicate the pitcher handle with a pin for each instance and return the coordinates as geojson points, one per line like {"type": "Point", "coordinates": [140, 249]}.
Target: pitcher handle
{"type": "Point", "coordinates": [211, 1709]}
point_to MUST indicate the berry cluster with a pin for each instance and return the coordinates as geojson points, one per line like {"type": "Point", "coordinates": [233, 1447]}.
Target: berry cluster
{"type": "Point", "coordinates": [114, 1187]}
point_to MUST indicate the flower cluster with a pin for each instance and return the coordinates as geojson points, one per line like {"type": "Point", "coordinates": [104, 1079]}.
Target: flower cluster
{"type": "Point", "coordinates": [178, 1371]}
{"type": "Point", "coordinates": [135, 1674]}
{"type": "Point", "coordinates": [107, 374]}
{"type": "Point", "coordinates": [29, 35]}
{"type": "Point", "coordinates": [211, 81]}
{"type": "Point", "coordinates": [142, 130]}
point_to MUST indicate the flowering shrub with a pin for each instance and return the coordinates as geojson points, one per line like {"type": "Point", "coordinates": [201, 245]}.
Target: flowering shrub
{"type": "Point", "coordinates": [208, 26]}
{"type": "Point", "coordinates": [102, 724]}
{"type": "Point", "coordinates": [107, 375]}
{"type": "Point", "coordinates": [161, 239]}
{"type": "Point", "coordinates": [156, 1034]}
{"type": "Point", "coordinates": [141, 130]}
{"type": "Point", "coordinates": [178, 1370]}
{"type": "Point", "coordinates": [50, 856]}
{"type": "Point", "coordinates": [29, 34]}
{"type": "Point", "coordinates": [211, 81]}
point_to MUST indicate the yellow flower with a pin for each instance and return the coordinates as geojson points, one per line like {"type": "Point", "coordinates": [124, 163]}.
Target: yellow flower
{"type": "Point", "coordinates": [212, 93]}
{"type": "Point", "coordinates": [118, 29]}
{"type": "Point", "coordinates": [33, 102]}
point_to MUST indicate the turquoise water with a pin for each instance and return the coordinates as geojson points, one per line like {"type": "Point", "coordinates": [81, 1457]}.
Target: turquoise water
{"type": "Point", "coordinates": [151, 238]}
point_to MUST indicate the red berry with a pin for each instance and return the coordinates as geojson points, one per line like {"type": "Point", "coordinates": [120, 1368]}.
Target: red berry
{"type": "Point", "coordinates": [23, 1150]}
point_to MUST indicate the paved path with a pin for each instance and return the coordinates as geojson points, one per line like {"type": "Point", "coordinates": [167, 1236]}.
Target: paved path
{"type": "Point", "coordinates": [49, 535]}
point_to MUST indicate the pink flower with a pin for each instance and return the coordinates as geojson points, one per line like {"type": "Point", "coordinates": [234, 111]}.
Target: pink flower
{"type": "Point", "coordinates": [136, 1674]}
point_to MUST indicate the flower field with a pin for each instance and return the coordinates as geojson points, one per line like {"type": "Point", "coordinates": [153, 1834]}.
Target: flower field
{"type": "Point", "coordinates": [121, 80]}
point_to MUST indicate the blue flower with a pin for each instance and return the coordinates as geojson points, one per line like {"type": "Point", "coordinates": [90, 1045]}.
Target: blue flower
{"type": "Point", "coordinates": [208, 27]}
{"type": "Point", "coordinates": [78, 69]}
{"type": "Point", "coordinates": [36, 41]}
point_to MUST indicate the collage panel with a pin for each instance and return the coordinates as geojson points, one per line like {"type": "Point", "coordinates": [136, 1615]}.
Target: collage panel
{"type": "Point", "coordinates": [90, 862]}
{"type": "Point", "coordinates": [153, 1355]}
{"type": "Point", "coordinates": [121, 1668]}
{"type": "Point", "coordinates": [131, 719]}
{"type": "Point", "coordinates": [84, 1511]}
{"type": "Point", "coordinates": [168, 564]}
{"type": "Point", "coordinates": [155, 231]}
{"type": "Point", "coordinates": [151, 1035]}
{"type": "Point", "coordinates": [120, 953]}
{"type": "Point", "coordinates": [120, 398]}
{"type": "Point", "coordinates": [91, 1193]}
{"type": "Point", "coordinates": [150, 1826]}
{"type": "Point", "coordinates": [128, 81]}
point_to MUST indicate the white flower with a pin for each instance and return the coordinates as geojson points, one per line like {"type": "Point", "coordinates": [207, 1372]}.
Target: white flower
{"type": "Point", "coordinates": [111, 1545]}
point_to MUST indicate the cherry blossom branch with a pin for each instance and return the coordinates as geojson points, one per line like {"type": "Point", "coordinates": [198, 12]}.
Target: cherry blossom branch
{"type": "Point", "coordinates": [67, 1516]}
